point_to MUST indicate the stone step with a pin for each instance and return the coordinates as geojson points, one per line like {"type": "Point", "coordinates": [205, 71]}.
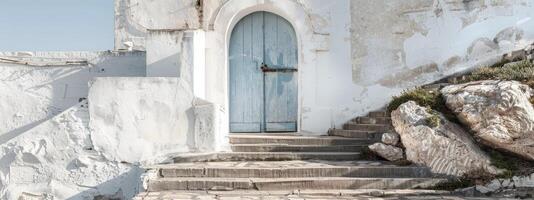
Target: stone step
{"type": "Point", "coordinates": [296, 148]}
{"type": "Point", "coordinates": [367, 127]}
{"type": "Point", "coordinates": [295, 140]}
{"type": "Point", "coordinates": [265, 184]}
{"type": "Point", "coordinates": [267, 156]}
{"type": "Point", "coordinates": [371, 135]}
{"type": "Point", "coordinates": [362, 194]}
{"type": "Point", "coordinates": [372, 120]}
{"type": "Point", "coordinates": [292, 169]}
{"type": "Point", "coordinates": [378, 114]}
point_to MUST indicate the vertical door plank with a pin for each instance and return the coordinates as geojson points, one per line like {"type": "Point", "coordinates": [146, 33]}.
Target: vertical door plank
{"type": "Point", "coordinates": [246, 80]}
{"type": "Point", "coordinates": [280, 87]}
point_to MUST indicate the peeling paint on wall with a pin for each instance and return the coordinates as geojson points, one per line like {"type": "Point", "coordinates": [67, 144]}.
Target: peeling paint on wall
{"type": "Point", "coordinates": [134, 17]}
{"type": "Point", "coordinates": [454, 34]}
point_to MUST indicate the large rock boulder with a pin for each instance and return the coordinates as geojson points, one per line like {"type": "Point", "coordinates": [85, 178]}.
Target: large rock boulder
{"type": "Point", "coordinates": [445, 148]}
{"type": "Point", "coordinates": [498, 112]}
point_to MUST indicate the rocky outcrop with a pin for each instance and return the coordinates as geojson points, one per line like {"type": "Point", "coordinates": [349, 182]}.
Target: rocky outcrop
{"type": "Point", "coordinates": [517, 187]}
{"type": "Point", "coordinates": [498, 112]}
{"type": "Point", "coordinates": [387, 152]}
{"type": "Point", "coordinates": [446, 148]}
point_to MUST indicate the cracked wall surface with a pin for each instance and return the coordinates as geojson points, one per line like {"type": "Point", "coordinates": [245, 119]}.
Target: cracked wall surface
{"type": "Point", "coordinates": [133, 18]}
{"type": "Point", "coordinates": [410, 42]}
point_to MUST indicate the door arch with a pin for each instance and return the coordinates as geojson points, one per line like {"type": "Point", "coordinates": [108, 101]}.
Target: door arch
{"type": "Point", "coordinates": [263, 59]}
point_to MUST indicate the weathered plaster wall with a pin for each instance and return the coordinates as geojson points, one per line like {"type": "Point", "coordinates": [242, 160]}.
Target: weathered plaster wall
{"type": "Point", "coordinates": [411, 42]}
{"type": "Point", "coordinates": [31, 93]}
{"type": "Point", "coordinates": [355, 54]}
{"type": "Point", "coordinates": [133, 19]}
{"type": "Point", "coordinates": [402, 44]}
{"type": "Point", "coordinates": [148, 119]}
{"type": "Point", "coordinates": [57, 160]}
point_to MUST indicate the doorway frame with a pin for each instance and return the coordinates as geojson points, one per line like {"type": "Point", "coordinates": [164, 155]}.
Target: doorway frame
{"type": "Point", "coordinates": [296, 76]}
{"type": "Point", "coordinates": [220, 28]}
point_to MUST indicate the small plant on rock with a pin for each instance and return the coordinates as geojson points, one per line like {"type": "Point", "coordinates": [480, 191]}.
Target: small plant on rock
{"type": "Point", "coordinates": [421, 96]}
{"type": "Point", "coordinates": [426, 98]}
{"type": "Point", "coordinates": [434, 120]}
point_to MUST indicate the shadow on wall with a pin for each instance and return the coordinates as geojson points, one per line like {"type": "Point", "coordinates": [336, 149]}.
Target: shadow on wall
{"type": "Point", "coordinates": [16, 132]}
{"type": "Point", "coordinates": [36, 94]}
{"type": "Point", "coordinates": [171, 66]}
{"type": "Point", "coordinates": [130, 183]}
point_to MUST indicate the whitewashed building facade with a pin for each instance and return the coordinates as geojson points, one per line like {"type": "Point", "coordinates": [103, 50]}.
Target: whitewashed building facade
{"type": "Point", "coordinates": [184, 74]}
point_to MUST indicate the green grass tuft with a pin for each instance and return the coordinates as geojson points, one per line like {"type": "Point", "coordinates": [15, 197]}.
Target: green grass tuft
{"type": "Point", "coordinates": [426, 98]}
{"type": "Point", "coordinates": [421, 96]}
{"type": "Point", "coordinates": [522, 71]}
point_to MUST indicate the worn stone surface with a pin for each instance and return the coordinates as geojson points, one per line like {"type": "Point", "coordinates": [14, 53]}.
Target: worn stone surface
{"type": "Point", "coordinates": [298, 194]}
{"type": "Point", "coordinates": [498, 112]}
{"type": "Point", "coordinates": [288, 169]}
{"type": "Point", "coordinates": [387, 152]}
{"type": "Point", "coordinates": [515, 187]}
{"type": "Point", "coordinates": [446, 149]}
{"type": "Point", "coordinates": [390, 138]}
{"type": "Point", "coordinates": [268, 184]}
{"type": "Point", "coordinates": [293, 140]}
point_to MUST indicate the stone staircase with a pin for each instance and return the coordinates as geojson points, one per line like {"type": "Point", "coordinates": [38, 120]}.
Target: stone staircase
{"type": "Point", "coordinates": [290, 162]}
{"type": "Point", "coordinates": [371, 126]}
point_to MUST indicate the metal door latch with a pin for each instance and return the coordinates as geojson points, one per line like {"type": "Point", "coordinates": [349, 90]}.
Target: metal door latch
{"type": "Point", "coordinates": [265, 68]}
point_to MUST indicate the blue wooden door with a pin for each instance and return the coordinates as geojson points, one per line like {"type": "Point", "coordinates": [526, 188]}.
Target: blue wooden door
{"type": "Point", "coordinates": [263, 83]}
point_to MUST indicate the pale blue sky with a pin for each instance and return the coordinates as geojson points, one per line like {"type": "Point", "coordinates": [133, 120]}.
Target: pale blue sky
{"type": "Point", "coordinates": [56, 25]}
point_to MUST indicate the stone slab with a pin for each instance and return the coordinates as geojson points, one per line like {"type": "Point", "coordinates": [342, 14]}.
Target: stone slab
{"type": "Point", "coordinates": [265, 184]}
{"type": "Point", "coordinates": [295, 148]}
{"type": "Point", "coordinates": [268, 156]}
{"type": "Point", "coordinates": [294, 140]}
{"type": "Point", "coordinates": [289, 169]}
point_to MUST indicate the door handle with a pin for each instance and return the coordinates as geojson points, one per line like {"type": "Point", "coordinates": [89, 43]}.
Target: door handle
{"type": "Point", "coordinates": [265, 68]}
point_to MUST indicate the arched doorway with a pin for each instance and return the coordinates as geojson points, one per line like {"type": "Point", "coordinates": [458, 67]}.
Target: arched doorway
{"type": "Point", "coordinates": [263, 59]}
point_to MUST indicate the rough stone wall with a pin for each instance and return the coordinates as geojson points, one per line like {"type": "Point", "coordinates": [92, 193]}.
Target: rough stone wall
{"type": "Point", "coordinates": [33, 92]}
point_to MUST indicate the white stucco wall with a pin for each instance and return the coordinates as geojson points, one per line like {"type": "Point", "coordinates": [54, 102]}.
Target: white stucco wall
{"type": "Point", "coordinates": [166, 53]}
{"type": "Point", "coordinates": [402, 44]}
{"type": "Point", "coordinates": [322, 30]}
{"type": "Point", "coordinates": [355, 55]}
{"type": "Point", "coordinates": [57, 160]}
{"type": "Point", "coordinates": [33, 93]}
{"type": "Point", "coordinates": [98, 149]}
{"type": "Point", "coordinates": [147, 120]}
{"type": "Point", "coordinates": [133, 19]}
